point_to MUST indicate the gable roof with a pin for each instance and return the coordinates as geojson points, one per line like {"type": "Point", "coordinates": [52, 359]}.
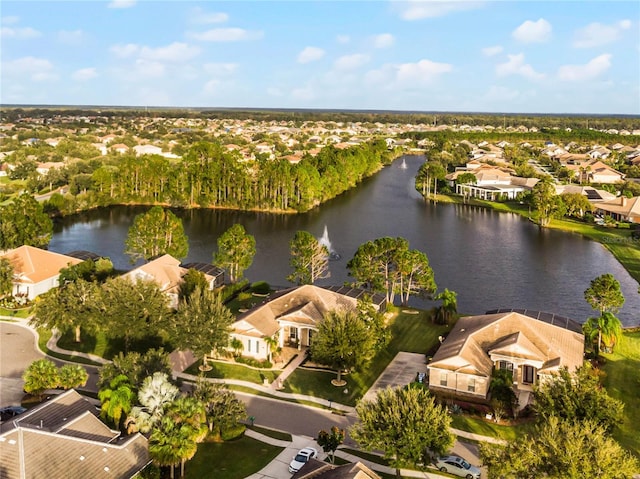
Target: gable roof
{"type": "Point", "coordinates": [512, 334]}
{"type": "Point", "coordinates": [64, 438]}
{"type": "Point", "coordinates": [33, 265]}
{"type": "Point", "coordinates": [314, 469]}
{"type": "Point", "coordinates": [629, 207]}
{"type": "Point", "coordinates": [305, 304]}
{"type": "Point", "coordinates": [165, 270]}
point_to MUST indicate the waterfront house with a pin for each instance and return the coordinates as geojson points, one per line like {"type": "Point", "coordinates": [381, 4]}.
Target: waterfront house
{"type": "Point", "coordinates": [63, 437]}
{"type": "Point", "coordinates": [621, 209]}
{"type": "Point", "coordinates": [167, 272]}
{"type": "Point", "coordinates": [292, 316]}
{"type": "Point", "coordinates": [530, 344]}
{"type": "Point", "coordinates": [36, 271]}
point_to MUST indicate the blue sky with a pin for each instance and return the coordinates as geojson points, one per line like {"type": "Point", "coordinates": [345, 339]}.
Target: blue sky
{"type": "Point", "coordinates": [429, 55]}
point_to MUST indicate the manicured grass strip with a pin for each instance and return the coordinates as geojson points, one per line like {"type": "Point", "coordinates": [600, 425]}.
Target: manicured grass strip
{"type": "Point", "coordinates": [15, 313]}
{"type": "Point", "coordinates": [43, 338]}
{"type": "Point", "coordinates": [410, 332]}
{"type": "Point", "coordinates": [622, 382]}
{"type": "Point", "coordinates": [282, 436]}
{"type": "Point", "coordinates": [486, 428]}
{"type": "Point", "coordinates": [101, 345]}
{"type": "Point", "coordinates": [235, 459]}
{"type": "Point", "coordinates": [222, 370]}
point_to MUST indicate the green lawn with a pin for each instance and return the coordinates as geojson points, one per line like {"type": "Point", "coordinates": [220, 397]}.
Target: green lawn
{"type": "Point", "coordinates": [480, 426]}
{"type": "Point", "coordinates": [100, 345]}
{"type": "Point", "coordinates": [235, 459]}
{"type": "Point", "coordinates": [622, 382]}
{"type": "Point", "coordinates": [15, 313]}
{"type": "Point", "coordinates": [412, 333]}
{"type": "Point", "coordinates": [224, 370]}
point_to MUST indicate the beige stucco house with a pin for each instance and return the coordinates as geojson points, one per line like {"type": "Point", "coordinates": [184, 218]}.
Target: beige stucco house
{"type": "Point", "coordinates": [35, 270]}
{"type": "Point", "coordinates": [292, 316]}
{"type": "Point", "coordinates": [533, 345]}
{"type": "Point", "coordinates": [621, 209]}
{"type": "Point", "coordinates": [167, 272]}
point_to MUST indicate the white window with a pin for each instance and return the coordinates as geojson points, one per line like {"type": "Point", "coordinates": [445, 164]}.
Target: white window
{"type": "Point", "coordinates": [443, 379]}
{"type": "Point", "coordinates": [471, 385]}
{"type": "Point", "coordinates": [528, 374]}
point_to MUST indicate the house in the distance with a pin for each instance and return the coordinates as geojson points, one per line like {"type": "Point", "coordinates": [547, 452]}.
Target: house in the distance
{"type": "Point", "coordinates": [35, 270]}
{"type": "Point", "coordinates": [621, 209]}
{"type": "Point", "coordinates": [293, 315]}
{"type": "Point", "coordinates": [63, 437]}
{"type": "Point", "coordinates": [167, 272]}
{"type": "Point", "coordinates": [530, 344]}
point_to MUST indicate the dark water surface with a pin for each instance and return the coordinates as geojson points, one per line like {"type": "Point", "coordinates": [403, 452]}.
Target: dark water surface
{"type": "Point", "coordinates": [492, 260]}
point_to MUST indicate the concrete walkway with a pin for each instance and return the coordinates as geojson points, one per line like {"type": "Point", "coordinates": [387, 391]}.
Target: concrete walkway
{"type": "Point", "coordinates": [286, 372]}
{"type": "Point", "coordinates": [278, 468]}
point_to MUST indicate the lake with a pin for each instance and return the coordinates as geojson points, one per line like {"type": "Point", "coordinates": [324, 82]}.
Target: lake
{"type": "Point", "coordinates": [492, 260]}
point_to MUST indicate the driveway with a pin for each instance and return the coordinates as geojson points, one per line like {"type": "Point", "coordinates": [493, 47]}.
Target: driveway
{"type": "Point", "coordinates": [279, 467]}
{"type": "Point", "coordinates": [401, 371]}
{"type": "Point", "coordinates": [18, 349]}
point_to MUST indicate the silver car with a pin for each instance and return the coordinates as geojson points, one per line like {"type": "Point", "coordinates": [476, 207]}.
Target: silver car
{"type": "Point", "coordinates": [302, 458]}
{"type": "Point", "coordinates": [458, 467]}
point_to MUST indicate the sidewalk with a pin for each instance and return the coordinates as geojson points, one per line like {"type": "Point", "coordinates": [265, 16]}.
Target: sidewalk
{"type": "Point", "coordinates": [278, 468]}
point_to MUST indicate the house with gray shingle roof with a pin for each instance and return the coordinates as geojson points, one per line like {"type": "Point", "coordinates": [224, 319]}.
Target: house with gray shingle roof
{"type": "Point", "coordinates": [63, 437]}
{"type": "Point", "coordinates": [533, 346]}
{"type": "Point", "coordinates": [292, 316]}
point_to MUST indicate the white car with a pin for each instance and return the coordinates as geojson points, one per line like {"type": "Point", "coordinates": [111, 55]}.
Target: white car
{"type": "Point", "coordinates": [301, 458]}
{"type": "Point", "coordinates": [458, 467]}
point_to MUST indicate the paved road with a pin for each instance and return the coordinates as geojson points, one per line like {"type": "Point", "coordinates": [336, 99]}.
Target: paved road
{"type": "Point", "coordinates": [18, 348]}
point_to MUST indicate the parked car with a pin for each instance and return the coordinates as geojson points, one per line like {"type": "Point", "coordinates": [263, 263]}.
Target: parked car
{"type": "Point", "coordinates": [302, 458]}
{"type": "Point", "coordinates": [458, 467]}
{"type": "Point", "coordinates": [9, 412]}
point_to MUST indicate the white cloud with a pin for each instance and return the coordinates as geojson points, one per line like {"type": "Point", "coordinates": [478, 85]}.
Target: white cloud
{"type": "Point", "coordinates": [492, 51]}
{"type": "Point", "coordinates": [121, 4]}
{"type": "Point", "coordinates": [10, 20]}
{"type": "Point", "coordinates": [343, 39]}
{"type": "Point", "coordinates": [20, 33]}
{"type": "Point", "coordinates": [310, 54]}
{"type": "Point", "coordinates": [517, 66]}
{"type": "Point", "coordinates": [533, 32]}
{"type": "Point", "coordinates": [125, 51]}
{"type": "Point", "coordinates": [305, 93]}
{"type": "Point", "coordinates": [351, 62]}
{"type": "Point", "coordinates": [220, 69]}
{"type": "Point", "coordinates": [406, 75]}
{"type": "Point", "coordinates": [597, 34]}
{"type": "Point", "coordinates": [419, 9]}
{"type": "Point", "coordinates": [594, 68]}
{"type": "Point", "coordinates": [148, 69]}
{"type": "Point", "coordinates": [175, 52]}
{"type": "Point", "coordinates": [384, 40]}
{"type": "Point", "coordinates": [199, 16]}
{"type": "Point", "coordinates": [84, 74]}
{"type": "Point", "coordinates": [225, 35]}
{"type": "Point", "coordinates": [36, 69]}
{"type": "Point", "coordinates": [75, 37]}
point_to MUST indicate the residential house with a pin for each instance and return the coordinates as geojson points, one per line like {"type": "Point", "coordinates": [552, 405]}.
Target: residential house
{"type": "Point", "coordinates": [36, 271]}
{"type": "Point", "coordinates": [293, 315]}
{"type": "Point", "coordinates": [167, 272]}
{"type": "Point", "coordinates": [621, 209]}
{"type": "Point", "coordinates": [120, 148]}
{"type": "Point", "coordinates": [63, 437]}
{"type": "Point", "coordinates": [594, 171]}
{"type": "Point", "coordinates": [315, 469]}
{"type": "Point", "coordinates": [491, 183]}
{"type": "Point", "coordinates": [530, 344]}
{"type": "Point", "coordinates": [593, 195]}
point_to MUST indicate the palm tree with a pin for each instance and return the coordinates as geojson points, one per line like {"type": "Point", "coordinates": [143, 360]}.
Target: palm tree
{"type": "Point", "coordinates": [171, 444]}
{"type": "Point", "coordinates": [449, 306]}
{"type": "Point", "coordinates": [606, 328]}
{"type": "Point", "coordinates": [156, 393]}
{"type": "Point", "coordinates": [116, 399]}
{"type": "Point", "coordinates": [272, 342]}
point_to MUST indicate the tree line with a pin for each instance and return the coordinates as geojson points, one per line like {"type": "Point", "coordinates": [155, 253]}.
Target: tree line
{"type": "Point", "coordinates": [210, 176]}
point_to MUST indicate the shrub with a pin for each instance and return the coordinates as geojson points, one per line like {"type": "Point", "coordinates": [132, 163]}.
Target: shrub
{"type": "Point", "coordinates": [261, 287]}
{"type": "Point", "coordinates": [264, 364]}
{"type": "Point", "coordinates": [233, 432]}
